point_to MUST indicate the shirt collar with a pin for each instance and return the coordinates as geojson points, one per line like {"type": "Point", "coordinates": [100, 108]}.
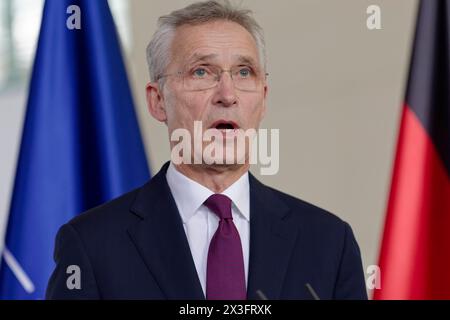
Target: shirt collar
{"type": "Point", "coordinates": [190, 195]}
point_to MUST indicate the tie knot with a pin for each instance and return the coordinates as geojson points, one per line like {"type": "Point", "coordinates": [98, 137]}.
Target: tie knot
{"type": "Point", "coordinates": [220, 205]}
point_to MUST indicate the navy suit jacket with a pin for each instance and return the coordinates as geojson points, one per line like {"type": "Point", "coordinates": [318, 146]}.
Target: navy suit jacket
{"type": "Point", "coordinates": [135, 247]}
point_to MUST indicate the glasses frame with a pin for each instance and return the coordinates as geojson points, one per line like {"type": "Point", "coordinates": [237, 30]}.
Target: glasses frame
{"type": "Point", "coordinates": [216, 81]}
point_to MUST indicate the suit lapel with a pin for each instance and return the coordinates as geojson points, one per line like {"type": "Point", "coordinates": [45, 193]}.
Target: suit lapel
{"type": "Point", "coordinates": [272, 239]}
{"type": "Point", "coordinates": [161, 241]}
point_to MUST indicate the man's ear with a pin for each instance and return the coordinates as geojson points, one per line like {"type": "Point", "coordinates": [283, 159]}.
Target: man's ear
{"type": "Point", "coordinates": [266, 92]}
{"type": "Point", "coordinates": [155, 101]}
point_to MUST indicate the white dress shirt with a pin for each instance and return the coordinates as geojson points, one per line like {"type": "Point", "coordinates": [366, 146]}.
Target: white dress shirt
{"type": "Point", "coordinates": [200, 223]}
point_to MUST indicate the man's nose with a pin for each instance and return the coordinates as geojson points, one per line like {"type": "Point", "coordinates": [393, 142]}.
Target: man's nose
{"type": "Point", "coordinates": [225, 92]}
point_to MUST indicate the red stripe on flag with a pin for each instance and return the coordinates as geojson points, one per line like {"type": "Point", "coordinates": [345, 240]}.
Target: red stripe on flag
{"type": "Point", "coordinates": [415, 252]}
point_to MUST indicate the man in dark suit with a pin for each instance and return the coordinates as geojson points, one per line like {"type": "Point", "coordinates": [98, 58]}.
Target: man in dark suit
{"type": "Point", "coordinates": [206, 229]}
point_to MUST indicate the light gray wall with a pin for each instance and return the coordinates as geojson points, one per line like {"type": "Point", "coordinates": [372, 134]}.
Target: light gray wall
{"type": "Point", "coordinates": [336, 90]}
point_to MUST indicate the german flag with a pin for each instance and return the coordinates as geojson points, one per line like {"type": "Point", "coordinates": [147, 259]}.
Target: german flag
{"type": "Point", "coordinates": [415, 251]}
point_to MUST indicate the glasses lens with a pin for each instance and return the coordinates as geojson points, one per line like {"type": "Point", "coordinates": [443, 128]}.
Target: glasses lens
{"type": "Point", "coordinates": [245, 78]}
{"type": "Point", "coordinates": [206, 77]}
{"type": "Point", "coordinates": [199, 78]}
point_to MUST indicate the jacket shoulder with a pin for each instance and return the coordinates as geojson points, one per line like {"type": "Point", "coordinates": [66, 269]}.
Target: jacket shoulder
{"type": "Point", "coordinates": [307, 212]}
{"type": "Point", "coordinates": [115, 212]}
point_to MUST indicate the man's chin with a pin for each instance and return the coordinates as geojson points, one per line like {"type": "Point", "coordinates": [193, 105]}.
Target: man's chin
{"type": "Point", "coordinates": [222, 166]}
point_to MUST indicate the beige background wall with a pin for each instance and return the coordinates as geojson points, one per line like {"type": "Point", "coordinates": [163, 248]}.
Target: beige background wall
{"type": "Point", "coordinates": [336, 90]}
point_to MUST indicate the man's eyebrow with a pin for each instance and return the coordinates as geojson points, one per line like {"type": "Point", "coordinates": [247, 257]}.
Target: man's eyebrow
{"type": "Point", "coordinates": [246, 60]}
{"type": "Point", "coordinates": [196, 57]}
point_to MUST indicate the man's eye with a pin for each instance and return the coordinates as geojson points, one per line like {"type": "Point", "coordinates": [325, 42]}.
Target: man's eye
{"type": "Point", "coordinates": [245, 72]}
{"type": "Point", "coordinates": [199, 72]}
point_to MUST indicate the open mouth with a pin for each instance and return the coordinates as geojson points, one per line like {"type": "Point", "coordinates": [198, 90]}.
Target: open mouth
{"type": "Point", "coordinates": [225, 125]}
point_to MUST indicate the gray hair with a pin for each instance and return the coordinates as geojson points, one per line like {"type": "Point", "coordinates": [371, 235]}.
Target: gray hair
{"type": "Point", "coordinates": [158, 50]}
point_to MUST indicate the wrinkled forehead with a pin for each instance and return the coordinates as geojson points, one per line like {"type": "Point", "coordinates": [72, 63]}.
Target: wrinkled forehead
{"type": "Point", "coordinates": [208, 55]}
{"type": "Point", "coordinates": [219, 42]}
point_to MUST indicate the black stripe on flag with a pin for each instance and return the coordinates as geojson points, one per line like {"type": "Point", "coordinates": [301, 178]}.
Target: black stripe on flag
{"type": "Point", "coordinates": [428, 93]}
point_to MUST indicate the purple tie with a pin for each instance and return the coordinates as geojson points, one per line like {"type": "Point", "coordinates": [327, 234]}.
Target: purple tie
{"type": "Point", "coordinates": [225, 276]}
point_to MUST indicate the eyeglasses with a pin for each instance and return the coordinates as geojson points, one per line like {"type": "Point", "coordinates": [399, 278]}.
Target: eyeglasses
{"type": "Point", "coordinates": [206, 77]}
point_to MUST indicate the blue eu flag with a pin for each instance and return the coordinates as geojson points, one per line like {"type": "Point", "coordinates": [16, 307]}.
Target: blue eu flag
{"type": "Point", "coordinates": [81, 144]}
